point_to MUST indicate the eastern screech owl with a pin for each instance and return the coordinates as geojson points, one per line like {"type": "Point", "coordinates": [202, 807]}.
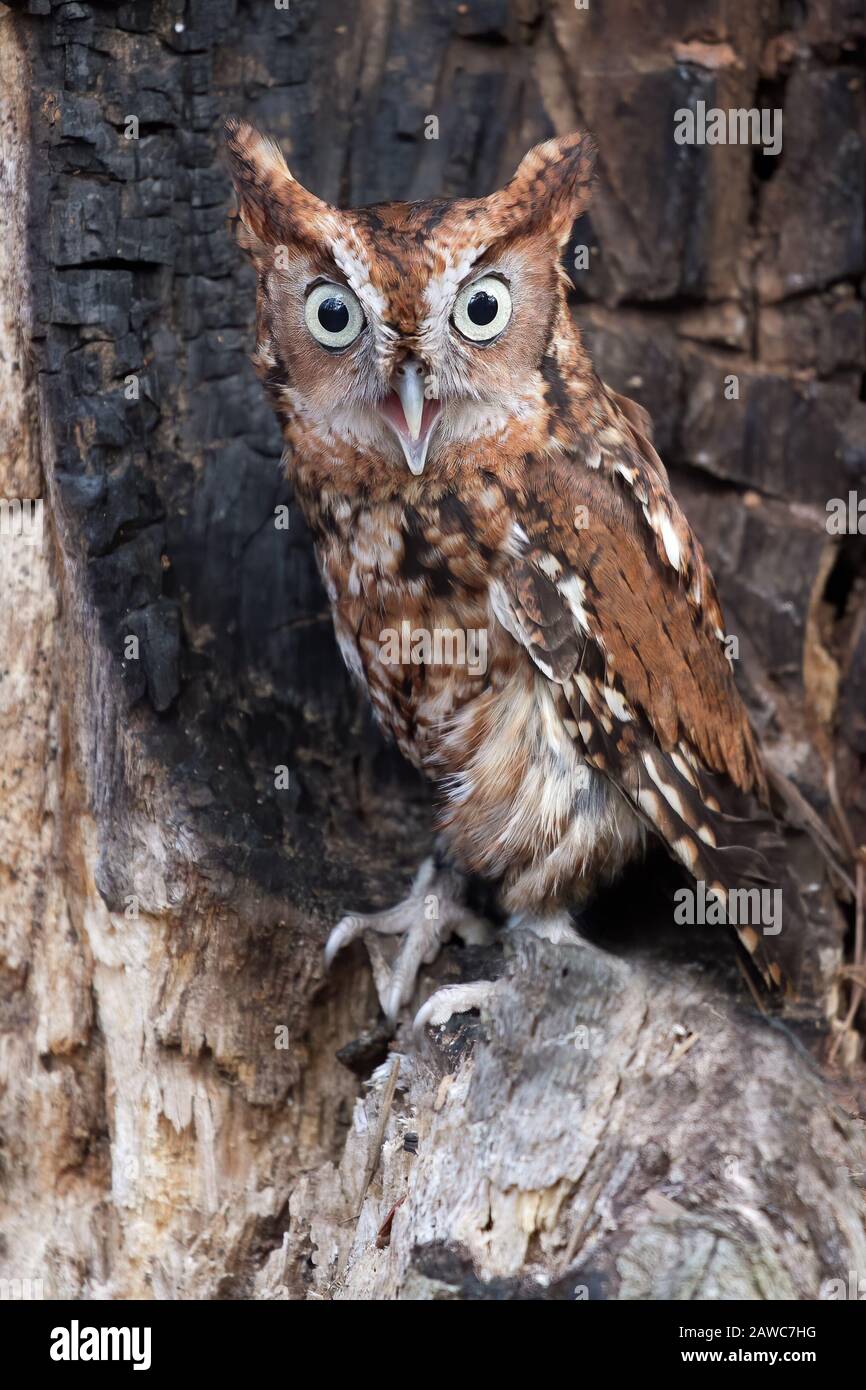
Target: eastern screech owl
{"type": "Point", "coordinates": [464, 471]}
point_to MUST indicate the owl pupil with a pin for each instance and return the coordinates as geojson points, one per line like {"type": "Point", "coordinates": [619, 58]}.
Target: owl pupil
{"type": "Point", "coordinates": [482, 308]}
{"type": "Point", "coordinates": [333, 315]}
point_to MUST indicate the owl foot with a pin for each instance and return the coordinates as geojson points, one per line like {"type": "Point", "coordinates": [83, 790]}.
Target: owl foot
{"type": "Point", "coordinates": [430, 915]}
{"type": "Point", "coordinates": [556, 928]}
{"type": "Point", "coordinates": [452, 999]}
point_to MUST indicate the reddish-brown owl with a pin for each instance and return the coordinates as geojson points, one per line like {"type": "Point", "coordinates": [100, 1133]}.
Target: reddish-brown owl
{"type": "Point", "coordinates": [509, 573]}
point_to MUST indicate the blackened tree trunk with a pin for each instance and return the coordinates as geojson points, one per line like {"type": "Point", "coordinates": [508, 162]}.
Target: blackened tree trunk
{"type": "Point", "coordinates": [192, 792]}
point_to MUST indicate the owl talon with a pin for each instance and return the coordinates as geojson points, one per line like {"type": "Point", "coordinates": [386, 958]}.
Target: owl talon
{"type": "Point", "coordinates": [354, 924]}
{"type": "Point", "coordinates": [426, 919]}
{"type": "Point", "coordinates": [452, 999]}
{"type": "Point", "coordinates": [421, 945]}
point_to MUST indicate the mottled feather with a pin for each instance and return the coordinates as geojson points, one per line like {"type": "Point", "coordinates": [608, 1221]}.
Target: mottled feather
{"type": "Point", "coordinates": [541, 517]}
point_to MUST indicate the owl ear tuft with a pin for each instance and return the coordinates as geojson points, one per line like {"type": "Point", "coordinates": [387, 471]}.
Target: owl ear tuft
{"type": "Point", "coordinates": [552, 187]}
{"type": "Point", "coordinates": [273, 206]}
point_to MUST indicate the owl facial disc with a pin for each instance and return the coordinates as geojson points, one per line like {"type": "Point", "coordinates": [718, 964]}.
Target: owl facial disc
{"type": "Point", "coordinates": [410, 414]}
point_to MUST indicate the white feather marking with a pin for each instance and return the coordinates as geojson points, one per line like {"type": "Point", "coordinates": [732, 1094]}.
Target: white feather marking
{"type": "Point", "coordinates": [351, 257]}
{"type": "Point", "coordinates": [686, 851]}
{"type": "Point", "coordinates": [543, 667]}
{"type": "Point", "coordinates": [549, 566]}
{"type": "Point", "coordinates": [671, 797]}
{"type": "Point", "coordinates": [649, 802]}
{"type": "Point", "coordinates": [442, 289]}
{"type": "Point", "coordinates": [573, 590]}
{"type": "Point", "coordinates": [670, 539]}
{"type": "Point", "coordinates": [682, 767]}
{"type": "Point", "coordinates": [554, 731]}
{"type": "Point", "coordinates": [504, 613]}
{"type": "Point", "coordinates": [616, 703]}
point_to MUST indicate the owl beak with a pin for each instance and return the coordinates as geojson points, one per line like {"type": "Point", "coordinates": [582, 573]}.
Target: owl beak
{"type": "Point", "coordinates": [409, 413]}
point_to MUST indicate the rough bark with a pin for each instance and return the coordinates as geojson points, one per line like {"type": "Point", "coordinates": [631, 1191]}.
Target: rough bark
{"type": "Point", "coordinates": [163, 899]}
{"type": "Point", "coordinates": [621, 1132]}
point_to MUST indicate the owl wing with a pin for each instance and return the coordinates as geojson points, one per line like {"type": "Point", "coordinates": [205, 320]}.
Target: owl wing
{"type": "Point", "coordinates": [611, 597]}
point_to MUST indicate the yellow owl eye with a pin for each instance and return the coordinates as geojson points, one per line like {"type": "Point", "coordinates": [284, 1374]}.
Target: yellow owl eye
{"type": "Point", "coordinates": [333, 315]}
{"type": "Point", "coordinates": [482, 309]}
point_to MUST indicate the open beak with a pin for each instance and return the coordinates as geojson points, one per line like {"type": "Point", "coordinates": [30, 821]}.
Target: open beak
{"type": "Point", "coordinates": [410, 414]}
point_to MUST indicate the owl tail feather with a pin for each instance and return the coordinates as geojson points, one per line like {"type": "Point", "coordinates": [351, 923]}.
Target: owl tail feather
{"type": "Point", "coordinates": [740, 858]}
{"type": "Point", "coordinates": [730, 845]}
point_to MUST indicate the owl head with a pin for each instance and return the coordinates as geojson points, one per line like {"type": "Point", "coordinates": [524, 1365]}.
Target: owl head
{"type": "Point", "coordinates": [403, 328]}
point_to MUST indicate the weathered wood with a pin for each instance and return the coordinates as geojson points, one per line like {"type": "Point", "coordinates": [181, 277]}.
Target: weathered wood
{"type": "Point", "coordinates": [624, 1132]}
{"type": "Point", "coordinates": [164, 897]}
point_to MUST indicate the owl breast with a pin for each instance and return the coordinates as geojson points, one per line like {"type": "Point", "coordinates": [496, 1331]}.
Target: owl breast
{"type": "Point", "coordinates": [414, 621]}
{"type": "Point", "coordinates": [411, 619]}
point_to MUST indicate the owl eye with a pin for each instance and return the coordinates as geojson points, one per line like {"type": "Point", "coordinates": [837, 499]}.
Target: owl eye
{"type": "Point", "coordinates": [482, 309]}
{"type": "Point", "coordinates": [333, 315]}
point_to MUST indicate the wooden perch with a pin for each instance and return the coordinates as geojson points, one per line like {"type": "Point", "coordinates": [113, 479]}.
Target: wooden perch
{"type": "Point", "coordinates": [625, 1132]}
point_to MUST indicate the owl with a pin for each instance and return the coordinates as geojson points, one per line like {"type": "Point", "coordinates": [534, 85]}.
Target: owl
{"type": "Point", "coordinates": [509, 574]}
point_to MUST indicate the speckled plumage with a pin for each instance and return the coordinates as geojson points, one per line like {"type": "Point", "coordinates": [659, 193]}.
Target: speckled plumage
{"type": "Point", "coordinates": [543, 517]}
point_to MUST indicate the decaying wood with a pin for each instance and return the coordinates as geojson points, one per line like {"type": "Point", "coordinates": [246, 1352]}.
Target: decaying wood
{"type": "Point", "coordinates": [175, 1120]}
{"type": "Point", "coordinates": [623, 1132]}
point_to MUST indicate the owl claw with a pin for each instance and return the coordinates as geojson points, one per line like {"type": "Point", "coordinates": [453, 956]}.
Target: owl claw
{"type": "Point", "coordinates": [354, 924]}
{"type": "Point", "coordinates": [426, 919]}
{"type": "Point", "coordinates": [421, 945]}
{"type": "Point", "coordinates": [452, 999]}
